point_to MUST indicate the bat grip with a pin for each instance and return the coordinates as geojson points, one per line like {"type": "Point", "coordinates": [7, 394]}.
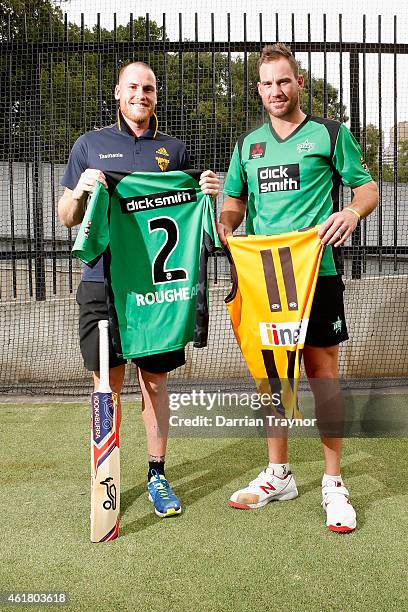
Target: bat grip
{"type": "Point", "coordinates": [104, 386]}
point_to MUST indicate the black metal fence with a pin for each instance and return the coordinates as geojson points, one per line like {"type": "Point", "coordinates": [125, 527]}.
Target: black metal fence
{"type": "Point", "coordinates": [57, 82]}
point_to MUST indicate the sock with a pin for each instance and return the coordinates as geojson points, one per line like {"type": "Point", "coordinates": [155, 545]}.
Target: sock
{"type": "Point", "coordinates": [155, 467]}
{"type": "Point", "coordinates": [278, 469]}
{"type": "Point", "coordinates": [327, 477]}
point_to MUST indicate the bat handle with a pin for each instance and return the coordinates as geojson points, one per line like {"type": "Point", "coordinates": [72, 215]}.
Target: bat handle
{"type": "Point", "coordinates": [104, 386]}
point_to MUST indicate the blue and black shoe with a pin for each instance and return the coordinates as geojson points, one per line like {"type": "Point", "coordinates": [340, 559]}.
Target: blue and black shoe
{"type": "Point", "coordinates": [165, 502]}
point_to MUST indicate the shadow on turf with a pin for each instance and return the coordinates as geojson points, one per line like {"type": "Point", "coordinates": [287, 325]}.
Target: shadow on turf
{"type": "Point", "coordinates": [214, 471]}
{"type": "Point", "coordinates": [217, 470]}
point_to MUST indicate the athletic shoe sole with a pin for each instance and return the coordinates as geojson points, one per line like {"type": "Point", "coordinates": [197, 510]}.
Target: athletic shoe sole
{"type": "Point", "coordinates": [279, 497]}
{"type": "Point", "coordinates": [341, 528]}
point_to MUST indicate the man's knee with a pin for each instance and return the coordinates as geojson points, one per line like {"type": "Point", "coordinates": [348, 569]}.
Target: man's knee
{"type": "Point", "coordinates": [321, 362]}
{"type": "Point", "coordinates": [116, 378]}
{"type": "Point", "coordinates": [154, 384]}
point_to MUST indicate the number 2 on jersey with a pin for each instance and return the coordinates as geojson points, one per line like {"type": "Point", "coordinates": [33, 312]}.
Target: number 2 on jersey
{"type": "Point", "coordinates": [160, 273]}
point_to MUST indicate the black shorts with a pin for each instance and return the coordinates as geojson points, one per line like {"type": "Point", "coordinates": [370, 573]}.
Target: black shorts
{"type": "Point", "coordinates": [92, 308]}
{"type": "Point", "coordinates": [327, 323]}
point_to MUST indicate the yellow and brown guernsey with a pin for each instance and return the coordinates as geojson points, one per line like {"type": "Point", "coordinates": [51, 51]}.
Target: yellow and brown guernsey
{"type": "Point", "coordinates": [270, 302]}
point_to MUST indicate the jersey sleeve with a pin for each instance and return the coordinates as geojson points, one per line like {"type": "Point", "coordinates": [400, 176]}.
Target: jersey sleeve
{"type": "Point", "coordinates": [185, 162]}
{"type": "Point", "coordinates": [77, 164]}
{"type": "Point", "coordinates": [210, 242]}
{"type": "Point", "coordinates": [210, 228]}
{"type": "Point", "coordinates": [348, 159]}
{"type": "Point", "coordinates": [236, 182]}
{"type": "Point", "coordinates": [93, 235]}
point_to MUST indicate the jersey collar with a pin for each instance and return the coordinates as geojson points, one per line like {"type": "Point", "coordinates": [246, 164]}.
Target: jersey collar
{"type": "Point", "coordinates": [150, 133]}
{"type": "Point", "coordinates": [299, 127]}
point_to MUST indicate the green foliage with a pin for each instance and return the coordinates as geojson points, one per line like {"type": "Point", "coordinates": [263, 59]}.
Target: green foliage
{"type": "Point", "coordinates": [372, 143]}
{"type": "Point", "coordinates": [208, 92]}
{"type": "Point", "coordinates": [372, 140]}
{"type": "Point", "coordinates": [207, 99]}
{"type": "Point", "coordinates": [403, 161]}
{"type": "Point", "coordinates": [20, 20]}
{"type": "Point", "coordinates": [39, 20]}
{"type": "Point", "coordinates": [334, 109]}
{"type": "Point", "coordinates": [402, 168]}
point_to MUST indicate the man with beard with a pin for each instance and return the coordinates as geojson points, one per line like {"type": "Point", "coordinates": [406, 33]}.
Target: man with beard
{"type": "Point", "coordinates": [285, 176]}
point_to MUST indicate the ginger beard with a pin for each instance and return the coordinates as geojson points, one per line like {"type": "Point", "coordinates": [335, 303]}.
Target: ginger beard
{"type": "Point", "coordinates": [136, 93]}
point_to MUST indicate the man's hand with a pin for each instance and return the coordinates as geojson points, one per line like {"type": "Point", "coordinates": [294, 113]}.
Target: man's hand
{"type": "Point", "coordinates": [223, 232]}
{"type": "Point", "coordinates": [209, 183]}
{"type": "Point", "coordinates": [71, 205]}
{"type": "Point", "coordinates": [338, 227]}
{"type": "Point", "coordinates": [87, 183]}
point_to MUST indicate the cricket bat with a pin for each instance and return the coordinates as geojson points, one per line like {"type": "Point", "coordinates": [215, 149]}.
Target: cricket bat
{"type": "Point", "coordinates": [105, 460]}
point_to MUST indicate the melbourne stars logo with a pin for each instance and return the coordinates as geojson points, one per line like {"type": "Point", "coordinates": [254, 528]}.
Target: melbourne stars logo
{"type": "Point", "coordinates": [305, 147]}
{"type": "Point", "coordinates": [337, 325]}
{"type": "Point", "coordinates": [257, 150]}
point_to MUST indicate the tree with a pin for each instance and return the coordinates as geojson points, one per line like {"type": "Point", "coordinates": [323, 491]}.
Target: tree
{"type": "Point", "coordinates": [372, 140]}
{"type": "Point", "coordinates": [226, 106]}
{"type": "Point", "coordinates": [402, 167]}
{"type": "Point", "coordinates": [54, 97]}
{"type": "Point", "coordinates": [403, 161]}
{"type": "Point", "coordinates": [334, 109]}
{"type": "Point", "coordinates": [20, 20]}
{"type": "Point", "coordinates": [207, 99]}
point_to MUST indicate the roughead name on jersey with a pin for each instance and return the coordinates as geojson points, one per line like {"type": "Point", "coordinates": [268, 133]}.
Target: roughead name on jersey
{"type": "Point", "coordinates": [283, 334]}
{"type": "Point", "coordinates": [169, 295]}
{"type": "Point", "coordinates": [279, 178]}
{"type": "Point", "coordinates": [157, 200]}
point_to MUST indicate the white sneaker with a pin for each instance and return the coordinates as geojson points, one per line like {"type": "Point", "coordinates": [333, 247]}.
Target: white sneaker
{"type": "Point", "coordinates": [265, 488]}
{"type": "Point", "coordinates": [341, 516]}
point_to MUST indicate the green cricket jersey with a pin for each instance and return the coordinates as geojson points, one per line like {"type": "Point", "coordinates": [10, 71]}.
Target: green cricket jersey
{"type": "Point", "coordinates": [155, 231]}
{"type": "Point", "coordinates": [293, 183]}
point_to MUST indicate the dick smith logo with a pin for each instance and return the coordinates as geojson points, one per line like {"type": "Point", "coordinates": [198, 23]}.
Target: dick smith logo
{"type": "Point", "coordinates": [157, 200]}
{"type": "Point", "coordinates": [283, 334]}
{"type": "Point", "coordinates": [279, 178]}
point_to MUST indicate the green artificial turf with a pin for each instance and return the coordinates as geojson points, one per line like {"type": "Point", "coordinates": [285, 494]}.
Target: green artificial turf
{"type": "Point", "coordinates": [212, 557]}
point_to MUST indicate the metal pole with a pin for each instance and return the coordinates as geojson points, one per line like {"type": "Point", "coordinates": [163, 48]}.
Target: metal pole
{"type": "Point", "coordinates": [356, 260]}
{"type": "Point", "coordinates": [38, 191]}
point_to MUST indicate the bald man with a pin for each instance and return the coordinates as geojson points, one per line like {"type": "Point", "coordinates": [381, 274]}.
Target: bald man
{"type": "Point", "coordinates": [132, 144]}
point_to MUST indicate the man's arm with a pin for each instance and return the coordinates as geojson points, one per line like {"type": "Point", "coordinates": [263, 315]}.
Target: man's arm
{"type": "Point", "coordinates": [231, 217]}
{"type": "Point", "coordinates": [71, 206]}
{"type": "Point", "coordinates": [340, 225]}
{"type": "Point", "coordinates": [70, 210]}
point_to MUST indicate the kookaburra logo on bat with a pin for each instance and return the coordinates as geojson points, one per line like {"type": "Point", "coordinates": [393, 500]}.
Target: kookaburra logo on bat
{"type": "Point", "coordinates": [109, 504]}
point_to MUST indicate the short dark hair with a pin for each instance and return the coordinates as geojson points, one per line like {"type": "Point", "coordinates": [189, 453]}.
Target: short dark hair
{"type": "Point", "coordinates": [141, 64]}
{"type": "Point", "coordinates": [271, 53]}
